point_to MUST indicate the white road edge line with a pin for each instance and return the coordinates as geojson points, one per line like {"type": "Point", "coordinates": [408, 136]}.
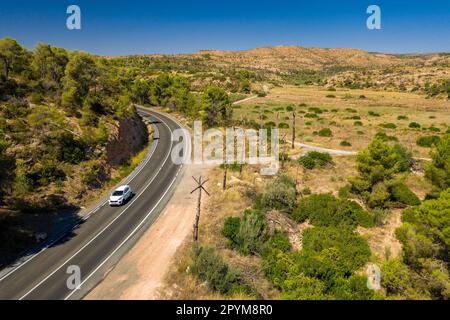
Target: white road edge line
{"type": "Point", "coordinates": [107, 226]}
{"type": "Point", "coordinates": [142, 165]}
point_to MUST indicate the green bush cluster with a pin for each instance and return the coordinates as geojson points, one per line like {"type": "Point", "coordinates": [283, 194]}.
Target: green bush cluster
{"type": "Point", "coordinates": [438, 171]}
{"type": "Point", "coordinates": [414, 125]}
{"type": "Point", "coordinates": [210, 267]}
{"type": "Point", "coordinates": [326, 210]}
{"type": "Point", "coordinates": [401, 193]}
{"type": "Point", "coordinates": [427, 141]}
{"type": "Point", "coordinates": [383, 136]}
{"type": "Point", "coordinates": [373, 114]}
{"type": "Point", "coordinates": [378, 165]}
{"type": "Point", "coordinates": [388, 125]}
{"type": "Point", "coordinates": [247, 234]}
{"type": "Point", "coordinates": [324, 269]}
{"type": "Point", "coordinates": [311, 115]}
{"type": "Point", "coordinates": [423, 272]}
{"type": "Point", "coordinates": [325, 132]}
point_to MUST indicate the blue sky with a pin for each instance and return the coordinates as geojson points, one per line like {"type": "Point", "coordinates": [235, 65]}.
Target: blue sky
{"type": "Point", "coordinates": [140, 27]}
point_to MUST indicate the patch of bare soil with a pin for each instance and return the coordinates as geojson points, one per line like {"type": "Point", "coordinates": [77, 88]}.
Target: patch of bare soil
{"type": "Point", "coordinates": [382, 239]}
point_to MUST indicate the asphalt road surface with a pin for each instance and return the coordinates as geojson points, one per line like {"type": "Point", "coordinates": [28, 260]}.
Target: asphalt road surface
{"type": "Point", "coordinates": [94, 245]}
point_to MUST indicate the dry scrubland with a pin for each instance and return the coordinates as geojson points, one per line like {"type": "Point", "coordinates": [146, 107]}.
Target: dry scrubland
{"type": "Point", "coordinates": [182, 284]}
{"type": "Point", "coordinates": [338, 116]}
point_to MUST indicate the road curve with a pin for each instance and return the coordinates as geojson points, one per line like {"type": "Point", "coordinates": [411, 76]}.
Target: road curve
{"type": "Point", "coordinates": [97, 243]}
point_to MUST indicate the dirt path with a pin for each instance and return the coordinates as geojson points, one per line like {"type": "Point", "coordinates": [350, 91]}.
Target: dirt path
{"type": "Point", "coordinates": [244, 100]}
{"type": "Point", "coordinates": [141, 271]}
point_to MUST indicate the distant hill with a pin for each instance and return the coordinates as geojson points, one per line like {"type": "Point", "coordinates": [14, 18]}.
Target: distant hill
{"type": "Point", "coordinates": [352, 68]}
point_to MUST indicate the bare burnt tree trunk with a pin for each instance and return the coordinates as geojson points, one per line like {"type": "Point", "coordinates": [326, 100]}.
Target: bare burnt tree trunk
{"type": "Point", "coordinates": [225, 170]}
{"type": "Point", "coordinates": [200, 188]}
{"type": "Point", "coordinates": [293, 130]}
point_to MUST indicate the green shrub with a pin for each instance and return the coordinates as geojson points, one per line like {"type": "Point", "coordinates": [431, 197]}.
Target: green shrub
{"type": "Point", "coordinates": [210, 267]}
{"type": "Point", "coordinates": [280, 194]}
{"type": "Point", "coordinates": [379, 195]}
{"type": "Point", "coordinates": [344, 192]}
{"type": "Point", "coordinates": [279, 241]}
{"type": "Point", "coordinates": [331, 96]}
{"type": "Point", "coordinates": [345, 143]}
{"type": "Point", "coordinates": [65, 148]}
{"type": "Point", "coordinates": [301, 287]}
{"type": "Point", "coordinates": [352, 288]}
{"type": "Point", "coordinates": [434, 129]}
{"type": "Point", "coordinates": [325, 132]}
{"type": "Point", "coordinates": [326, 210]}
{"type": "Point", "coordinates": [404, 158]}
{"type": "Point", "coordinates": [438, 171]}
{"type": "Point", "coordinates": [357, 124]}
{"type": "Point", "coordinates": [331, 253]}
{"type": "Point", "coordinates": [373, 114]}
{"type": "Point", "coordinates": [43, 173]}
{"type": "Point", "coordinates": [231, 229]}
{"type": "Point", "coordinates": [316, 110]}
{"type": "Point", "coordinates": [388, 125]}
{"type": "Point", "coordinates": [252, 232]}
{"type": "Point", "coordinates": [427, 141]}
{"type": "Point", "coordinates": [378, 162]}
{"type": "Point", "coordinates": [401, 193]}
{"type": "Point", "coordinates": [36, 98]}
{"type": "Point", "coordinates": [313, 158]}
{"type": "Point", "coordinates": [270, 125]}
{"type": "Point", "coordinates": [311, 115]}
{"type": "Point", "coordinates": [306, 191]}
{"type": "Point", "coordinates": [401, 117]}
{"type": "Point", "coordinates": [384, 137]}
{"type": "Point", "coordinates": [92, 174]}
{"type": "Point", "coordinates": [351, 110]}
{"type": "Point", "coordinates": [396, 276]}
{"type": "Point", "coordinates": [283, 125]}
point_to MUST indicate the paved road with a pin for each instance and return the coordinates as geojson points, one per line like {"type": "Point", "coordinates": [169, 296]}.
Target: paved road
{"type": "Point", "coordinates": [99, 241]}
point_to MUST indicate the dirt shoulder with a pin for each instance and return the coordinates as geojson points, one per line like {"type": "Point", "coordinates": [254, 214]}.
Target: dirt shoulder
{"type": "Point", "coordinates": [140, 273]}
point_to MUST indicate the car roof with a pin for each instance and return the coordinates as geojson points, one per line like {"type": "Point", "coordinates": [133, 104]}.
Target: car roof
{"type": "Point", "coordinates": [121, 188]}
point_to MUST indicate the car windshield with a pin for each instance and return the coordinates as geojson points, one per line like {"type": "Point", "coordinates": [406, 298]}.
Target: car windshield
{"type": "Point", "coordinates": [117, 193]}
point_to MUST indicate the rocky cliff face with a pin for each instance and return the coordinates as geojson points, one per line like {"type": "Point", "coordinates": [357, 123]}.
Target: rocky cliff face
{"type": "Point", "coordinates": [128, 138]}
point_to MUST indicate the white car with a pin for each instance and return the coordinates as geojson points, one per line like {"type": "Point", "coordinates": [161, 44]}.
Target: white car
{"type": "Point", "coordinates": [120, 195]}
